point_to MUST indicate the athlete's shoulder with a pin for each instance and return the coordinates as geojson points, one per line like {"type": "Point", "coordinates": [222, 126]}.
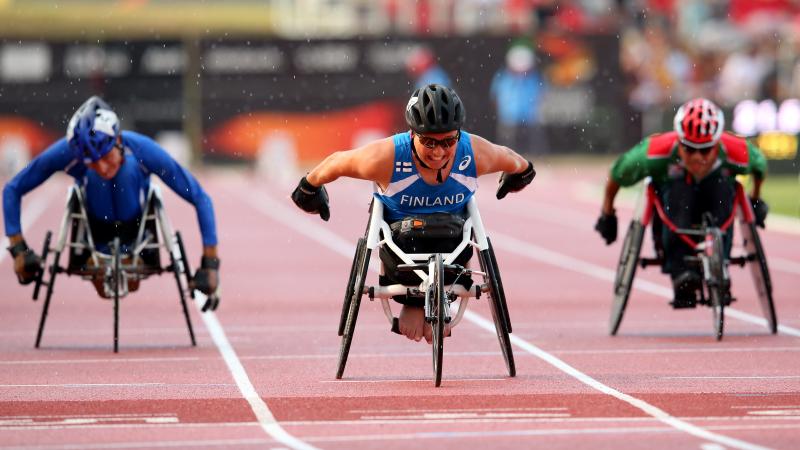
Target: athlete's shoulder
{"type": "Point", "coordinates": [137, 141]}
{"type": "Point", "coordinates": [735, 148]}
{"type": "Point", "coordinates": [661, 145]}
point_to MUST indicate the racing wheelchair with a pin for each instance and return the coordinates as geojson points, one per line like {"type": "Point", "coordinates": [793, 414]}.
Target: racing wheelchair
{"type": "Point", "coordinates": [118, 270]}
{"type": "Point", "coordinates": [437, 277]}
{"type": "Point", "coordinates": [709, 257]}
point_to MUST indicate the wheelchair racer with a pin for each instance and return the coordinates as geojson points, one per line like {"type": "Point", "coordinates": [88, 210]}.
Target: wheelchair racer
{"type": "Point", "coordinates": [693, 169]}
{"type": "Point", "coordinates": [114, 168]}
{"type": "Point", "coordinates": [433, 168]}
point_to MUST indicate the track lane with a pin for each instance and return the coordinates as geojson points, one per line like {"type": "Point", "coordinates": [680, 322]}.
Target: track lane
{"type": "Point", "coordinates": [273, 206]}
{"type": "Point", "coordinates": [277, 326]}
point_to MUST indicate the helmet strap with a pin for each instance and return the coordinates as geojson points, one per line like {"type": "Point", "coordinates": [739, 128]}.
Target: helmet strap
{"type": "Point", "coordinates": [422, 163]}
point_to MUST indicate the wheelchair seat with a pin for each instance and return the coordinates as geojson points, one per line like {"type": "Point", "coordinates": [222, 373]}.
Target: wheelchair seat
{"type": "Point", "coordinates": [429, 233]}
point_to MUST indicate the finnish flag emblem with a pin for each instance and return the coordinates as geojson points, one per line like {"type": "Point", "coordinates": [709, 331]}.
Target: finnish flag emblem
{"type": "Point", "coordinates": [402, 166]}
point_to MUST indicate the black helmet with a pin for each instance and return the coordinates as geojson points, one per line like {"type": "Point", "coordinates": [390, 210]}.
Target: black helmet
{"type": "Point", "coordinates": [434, 109]}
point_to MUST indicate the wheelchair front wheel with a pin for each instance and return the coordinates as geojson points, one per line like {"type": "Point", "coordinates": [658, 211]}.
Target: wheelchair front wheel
{"type": "Point", "coordinates": [760, 273]}
{"type": "Point", "coordinates": [436, 305]}
{"type": "Point", "coordinates": [626, 269]}
{"type": "Point", "coordinates": [496, 300]}
{"type": "Point", "coordinates": [362, 267]}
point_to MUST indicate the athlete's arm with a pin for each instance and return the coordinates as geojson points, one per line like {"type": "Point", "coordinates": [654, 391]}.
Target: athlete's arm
{"type": "Point", "coordinates": [491, 158]}
{"type": "Point", "coordinates": [156, 160]}
{"type": "Point", "coordinates": [757, 165]}
{"type": "Point", "coordinates": [373, 162]}
{"type": "Point", "coordinates": [55, 158]}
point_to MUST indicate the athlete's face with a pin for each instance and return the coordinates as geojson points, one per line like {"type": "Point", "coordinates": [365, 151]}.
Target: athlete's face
{"type": "Point", "coordinates": [108, 165]}
{"type": "Point", "coordinates": [436, 149]}
{"type": "Point", "coordinates": [698, 162]}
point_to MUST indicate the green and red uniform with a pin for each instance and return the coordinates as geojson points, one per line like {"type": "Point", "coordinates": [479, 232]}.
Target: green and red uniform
{"type": "Point", "coordinates": [657, 157]}
{"type": "Point", "coordinates": [685, 199]}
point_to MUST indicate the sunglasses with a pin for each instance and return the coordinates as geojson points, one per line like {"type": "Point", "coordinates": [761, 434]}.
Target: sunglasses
{"type": "Point", "coordinates": [431, 143]}
{"type": "Point", "coordinates": [703, 151]}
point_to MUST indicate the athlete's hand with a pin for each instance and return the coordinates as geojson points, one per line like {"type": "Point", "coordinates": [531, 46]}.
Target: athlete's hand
{"type": "Point", "coordinates": [760, 208]}
{"type": "Point", "coordinates": [27, 264]}
{"type": "Point", "coordinates": [515, 182]}
{"type": "Point", "coordinates": [206, 280]}
{"type": "Point", "coordinates": [312, 199]}
{"type": "Point", "coordinates": [607, 227]}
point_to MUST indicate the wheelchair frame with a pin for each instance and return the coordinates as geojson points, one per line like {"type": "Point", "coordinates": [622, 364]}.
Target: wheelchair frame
{"type": "Point", "coordinates": [430, 268]}
{"type": "Point", "coordinates": [710, 256]}
{"type": "Point", "coordinates": [76, 237]}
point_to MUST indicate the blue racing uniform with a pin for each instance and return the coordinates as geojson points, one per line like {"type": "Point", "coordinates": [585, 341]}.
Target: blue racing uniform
{"type": "Point", "coordinates": [408, 194]}
{"type": "Point", "coordinates": [120, 199]}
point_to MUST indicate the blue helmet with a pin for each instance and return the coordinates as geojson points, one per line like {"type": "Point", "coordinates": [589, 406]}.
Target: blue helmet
{"type": "Point", "coordinates": [92, 132]}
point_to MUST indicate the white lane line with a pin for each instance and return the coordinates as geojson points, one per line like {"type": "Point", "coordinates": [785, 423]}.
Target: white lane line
{"type": "Point", "coordinates": [562, 261]}
{"type": "Point", "coordinates": [783, 264]}
{"type": "Point", "coordinates": [30, 215]}
{"type": "Point", "coordinates": [309, 226]}
{"type": "Point", "coordinates": [257, 404]}
{"type": "Point", "coordinates": [411, 380]}
{"type": "Point", "coordinates": [218, 443]}
{"type": "Point", "coordinates": [453, 410]}
{"type": "Point", "coordinates": [98, 361]}
{"type": "Point", "coordinates": [754, 377]}
{"type": "Point", "coordinates": [105, 385]}
{"type": "Point", "coordinates": [536, 432]}
{"type": "Point", "coordinates": [711, 447]}
{"type": "Point", "coordinates": [763, 420]}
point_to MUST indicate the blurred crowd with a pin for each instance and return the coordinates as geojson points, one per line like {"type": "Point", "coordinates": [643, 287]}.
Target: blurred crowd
{"type": "Point", "coordinates": [670, 50]}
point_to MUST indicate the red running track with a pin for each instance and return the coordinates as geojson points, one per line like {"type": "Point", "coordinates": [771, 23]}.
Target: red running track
{"type": "Point", "coordinates": [262, 375]}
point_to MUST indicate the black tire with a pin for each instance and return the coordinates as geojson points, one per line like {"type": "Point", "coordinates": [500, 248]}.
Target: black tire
{"type": "Point", "coordinates": [45, 253]}
{"type": "Point", "coordinates": [495, 296]}
{"type": "Point", "coordinates": [53, 269]}
{"type": "Point", "coordinates": [117, 274]}
{"type": "Point", "coordinates": [362, 268]}
{"type": "Point", "coordinates": [184, 260]}
{"type": "Point", "coordinates": [717, 283]}
{"type": "Point", "coordinates": [187, 270]}
{"type": "Point", "coordinates": [437, 305]}
{"type": "Point", "coordinates": [351, 280]}
{"type": "Point", "coordinates": [500, 290]}
{"type": "Point", "coordinates": [626, 269]}
{"type": "Point", "coordinates": [760, 273]}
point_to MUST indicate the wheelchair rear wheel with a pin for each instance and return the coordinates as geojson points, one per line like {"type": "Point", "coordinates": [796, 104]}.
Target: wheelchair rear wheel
{"type": "Point", "coordinates": [760, 272]}
{"type": "Point", "coordinates": [716, 282]}
{"type": "Point", "coordinates": [40, 276]}
{"type": "Point", "coordinates": [361, 268]}
{"type": "Point", "coordinates": [53, 271]}
{"type": "Point", "coordinates": [500, 290]}
{"type": "Point", "coordinates": [348, 293]}
{"type": "Point", "coordinates": [437, 303]}
{"type": "Point", "coordinates": [116, 280]}
{"type": "Point", "coordinates": [175, 264]}
{"type": "Point", "coordinates": [496, 302]}
{"type": "Point", "coordinates": [626, 269]}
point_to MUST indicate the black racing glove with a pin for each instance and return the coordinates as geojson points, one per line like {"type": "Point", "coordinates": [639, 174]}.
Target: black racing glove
{"type": "Point", "coordinates": [607, 227]}
{"type": "Point", "coordinates": [760, 208]}
{"type": "Point", "coordinates": [27, 264]}
{"type": "Point", "coordinates": [515, 182]}
{"type": "Point", "coordinates": [312, 199]}
{"type": "Point", "coordinates": [206, 280]}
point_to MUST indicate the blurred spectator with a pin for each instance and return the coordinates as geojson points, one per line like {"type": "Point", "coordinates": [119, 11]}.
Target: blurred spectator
{"type": "Point", "coordinates": [743, 75]}
{"type": "Point", "coordinates": [423, 68]}
{"type": "Point", "coordinates": [516, 92]}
